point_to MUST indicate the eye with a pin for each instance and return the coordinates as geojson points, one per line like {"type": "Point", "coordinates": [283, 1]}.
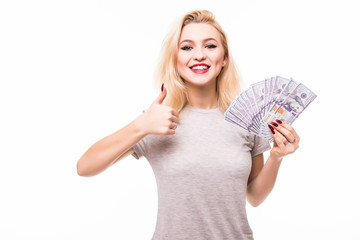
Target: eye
{"type": "Point", "coordinates": [186, 48]}
{"type": "Point", "coordinates": [210, 46]}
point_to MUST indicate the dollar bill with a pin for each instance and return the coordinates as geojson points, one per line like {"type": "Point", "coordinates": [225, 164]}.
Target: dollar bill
{"type": "Point", "coordinates": [268, 100]}
{"type": "Point", "coordinates": [279, 100]}
{"type": "Point", "coordinates": [241, 107]}
{"type": "Point", "coordinates": [293, 105]}
{"type": "Point", "coordinates": [258, 90]}
{"type": "Point", "coordinates": [279, 84]}
{"type": "Point", "coordinates": [237, 114]}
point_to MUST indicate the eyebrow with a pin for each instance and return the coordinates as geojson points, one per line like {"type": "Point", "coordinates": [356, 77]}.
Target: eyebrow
{"type": "Point", "coordinates": [191, 41]}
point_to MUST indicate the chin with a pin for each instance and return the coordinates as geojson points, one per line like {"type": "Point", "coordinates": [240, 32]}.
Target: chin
{"type": "Point", "coordinates": [200, 80]}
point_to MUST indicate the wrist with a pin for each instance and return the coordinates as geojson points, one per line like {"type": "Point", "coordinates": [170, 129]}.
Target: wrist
{"type": "Point", "coordinates": [276, 158]}
{"type": "Point", "coordinates": [140, 126]}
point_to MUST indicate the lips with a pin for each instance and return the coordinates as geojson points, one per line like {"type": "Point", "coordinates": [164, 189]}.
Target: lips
{"type": "Point", "coordinates": [200, 68]}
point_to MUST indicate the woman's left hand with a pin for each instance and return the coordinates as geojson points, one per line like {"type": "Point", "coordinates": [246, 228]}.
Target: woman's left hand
{"type": "Point", "coordinates": [286, 139]}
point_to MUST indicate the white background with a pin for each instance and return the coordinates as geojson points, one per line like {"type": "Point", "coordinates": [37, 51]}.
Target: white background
{"type": "Point", "coordinates": [75, 71]}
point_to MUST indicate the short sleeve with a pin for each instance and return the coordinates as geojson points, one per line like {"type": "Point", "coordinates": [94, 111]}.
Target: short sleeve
{"type": "Point", "coordinates": [139, 149]}
{"type": "Point", "coordinates": [260, 145]}
{"type": "Point", "coordinates": [140, 146]}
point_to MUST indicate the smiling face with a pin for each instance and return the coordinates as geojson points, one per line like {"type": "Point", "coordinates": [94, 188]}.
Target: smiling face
{"type": "Point", "coordinates": [200, 54]}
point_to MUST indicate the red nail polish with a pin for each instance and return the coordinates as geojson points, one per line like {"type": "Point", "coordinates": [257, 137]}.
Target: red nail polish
{"type": "Point", "coordinates": [162, 87]}
{"type": "Point", "coordinates": [274, 124]}
{"type": "Point", "coordinates": [279, 121]}
{"type": "Point", "coordinates": [271, 128]}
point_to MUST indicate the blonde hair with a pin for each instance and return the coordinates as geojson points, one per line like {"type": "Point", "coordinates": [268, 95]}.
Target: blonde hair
{"type": "Point", "coordinates": [228, 84]}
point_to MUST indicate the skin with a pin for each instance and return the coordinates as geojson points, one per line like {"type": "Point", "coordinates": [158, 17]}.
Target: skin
{"type": "Point", "coordinates": [200, 43]}
{"type": "Point", "coordinates": [263, 177]}
{"type": "Point", "coordinates": [162, 120]}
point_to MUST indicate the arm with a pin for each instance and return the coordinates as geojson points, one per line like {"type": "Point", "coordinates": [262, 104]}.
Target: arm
{"type": "Point", "coordinates": [263, 177]}
{"type": "Point", "coordinates": [158, 119]}
{"type": "Point", "coordinates": [110, 149]}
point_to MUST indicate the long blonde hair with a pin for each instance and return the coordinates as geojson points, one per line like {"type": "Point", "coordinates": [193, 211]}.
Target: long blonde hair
{"type": "Point", "coordinates": [228, 84]}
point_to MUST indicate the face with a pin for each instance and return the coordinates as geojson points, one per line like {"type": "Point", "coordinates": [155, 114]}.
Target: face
{"type": "Point", "coordinates": [295, 106]}
{"type": "Point", "coordinates": [200, 54]}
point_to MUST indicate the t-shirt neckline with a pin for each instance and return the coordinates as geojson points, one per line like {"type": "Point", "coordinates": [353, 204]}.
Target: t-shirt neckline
{"type": "Point", "coordinates": [200, 110]}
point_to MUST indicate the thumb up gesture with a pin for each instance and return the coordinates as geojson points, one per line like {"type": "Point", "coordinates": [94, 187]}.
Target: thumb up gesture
{"type": "Point", "coordinates": [160, 119]}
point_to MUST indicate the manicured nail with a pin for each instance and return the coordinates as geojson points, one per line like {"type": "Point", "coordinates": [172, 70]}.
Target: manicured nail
{"type": "Point", "coordinates": [279, 121]}
{"type": "Point", "coordinates": [274, 124]}
{"type": "Point", "coordinates": [162, 87]}
{"type": "Point", "coordinates": [271, 128]}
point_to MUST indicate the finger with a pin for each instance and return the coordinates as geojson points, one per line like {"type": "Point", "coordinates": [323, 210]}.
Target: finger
{"type": "Point", "coordinates": [284, 131]}
{"type": "Point", "coordinates": [290, 129]}
{"type": "Point", "coordinates": [276, 134]}
{"type": "Point", "coordinates": [173, 126]}
{"type": "Point", "coordinates": [175, 119]}
{"type": "Point", "coordinates": [162, 95]}
{"type": "Point", "coordinates": [174, 112]}
{"type": "Point", "coordinates": [282, 137]}
{"type": "Point", "coordinates": [277, 139]}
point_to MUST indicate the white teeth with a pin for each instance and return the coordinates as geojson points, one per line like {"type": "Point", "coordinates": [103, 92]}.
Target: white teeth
{"type": "Point", "coordinates": [200, 67]}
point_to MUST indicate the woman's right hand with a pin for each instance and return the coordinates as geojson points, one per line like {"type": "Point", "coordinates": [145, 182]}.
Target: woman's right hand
{"type": "Point", "coordinates": [160, 119]}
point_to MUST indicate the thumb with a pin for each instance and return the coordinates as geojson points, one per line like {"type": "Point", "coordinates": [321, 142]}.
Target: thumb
{"type": "Point", "coordinates": [162, 95]}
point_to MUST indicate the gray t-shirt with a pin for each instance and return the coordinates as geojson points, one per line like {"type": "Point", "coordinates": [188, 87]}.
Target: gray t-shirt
{"type": "Point", "coordinates": [201, 173]}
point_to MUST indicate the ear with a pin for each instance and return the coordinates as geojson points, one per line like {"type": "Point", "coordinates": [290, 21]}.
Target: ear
{"type": "Point", "coordinates": [224, 61]}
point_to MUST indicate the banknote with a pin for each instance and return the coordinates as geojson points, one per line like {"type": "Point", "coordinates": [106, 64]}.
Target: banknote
{"type": "Point", "coordinates": [276, 103]}
{"type": "Point", "coordinates": [292, 106]}
{"type": "Point", "coordinates": [267, 85]}
{"type": "Point", "coordinates": [259, 95]}
{"type": "Point", "coordinates": [265, 101]}
{"type": "Point", "coordinates": [279, 84]}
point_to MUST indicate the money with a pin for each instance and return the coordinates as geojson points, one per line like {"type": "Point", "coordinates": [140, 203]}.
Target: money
{"type": "Point", "coordinates": [268, 100]}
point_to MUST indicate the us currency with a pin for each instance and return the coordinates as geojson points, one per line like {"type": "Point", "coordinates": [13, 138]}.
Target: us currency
{"type": "Point", "coordinates": [240, 105]}
{"type": "Point", "coordinates": [259, 95]}
{"type": "Point", "coordinates": [279, 100]}
{"type": "Point", "coordinates": [244, 98]}
{"type": "Point", "coordinates": [294, 104]}
{"type": "Point", "coordinates": [264, 131]}
{"type": "Point", "coordinates": [237, 115]}
{"type": "Point", "coordinates": [231, 117]}
{"type": "Point", "coordinates": [253, 106]}
{"type": "Point", "coordinates": [267, 92]}
{"type": "Point", "coordinates": [279, 84]}
{"type": "Point", "coordinates": [268, 100]}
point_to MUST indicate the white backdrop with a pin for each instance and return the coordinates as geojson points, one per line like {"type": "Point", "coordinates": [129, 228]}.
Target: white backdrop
{"type": "Point", "coordinates": [75, 71]}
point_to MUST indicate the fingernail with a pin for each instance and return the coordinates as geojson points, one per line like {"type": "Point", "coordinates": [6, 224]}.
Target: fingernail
{"type": "Point", "coordinates": [279, 121]}
{"type": "Point", "coordinates": [162, 87]}
{"type": "Point", "coordinates": [271, 128]}
{"type": "Point", "coordinates": [274, 124]}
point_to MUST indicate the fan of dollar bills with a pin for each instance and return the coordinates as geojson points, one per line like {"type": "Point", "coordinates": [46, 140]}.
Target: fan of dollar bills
{"type": "Point", "coordinates": [265, 101]}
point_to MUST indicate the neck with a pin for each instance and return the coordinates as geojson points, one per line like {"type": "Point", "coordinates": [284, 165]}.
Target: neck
{"type": "Point", "coordinates": [203, 97]}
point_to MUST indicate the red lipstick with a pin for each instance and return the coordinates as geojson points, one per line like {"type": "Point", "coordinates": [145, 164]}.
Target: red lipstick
{"type": "Point", "coordinates": [200, 68]}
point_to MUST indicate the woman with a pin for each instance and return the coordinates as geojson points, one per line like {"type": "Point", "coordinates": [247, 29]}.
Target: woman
{"type": "Point", "coordinates": [205, 167]}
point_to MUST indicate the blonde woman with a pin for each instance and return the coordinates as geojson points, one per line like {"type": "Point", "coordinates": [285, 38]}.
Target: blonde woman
{"type": "Point", "coordinates": [205, 167]}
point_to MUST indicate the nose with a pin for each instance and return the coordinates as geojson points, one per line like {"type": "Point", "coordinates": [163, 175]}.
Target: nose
{"type": "Point", "coordinates": [199, 54]}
